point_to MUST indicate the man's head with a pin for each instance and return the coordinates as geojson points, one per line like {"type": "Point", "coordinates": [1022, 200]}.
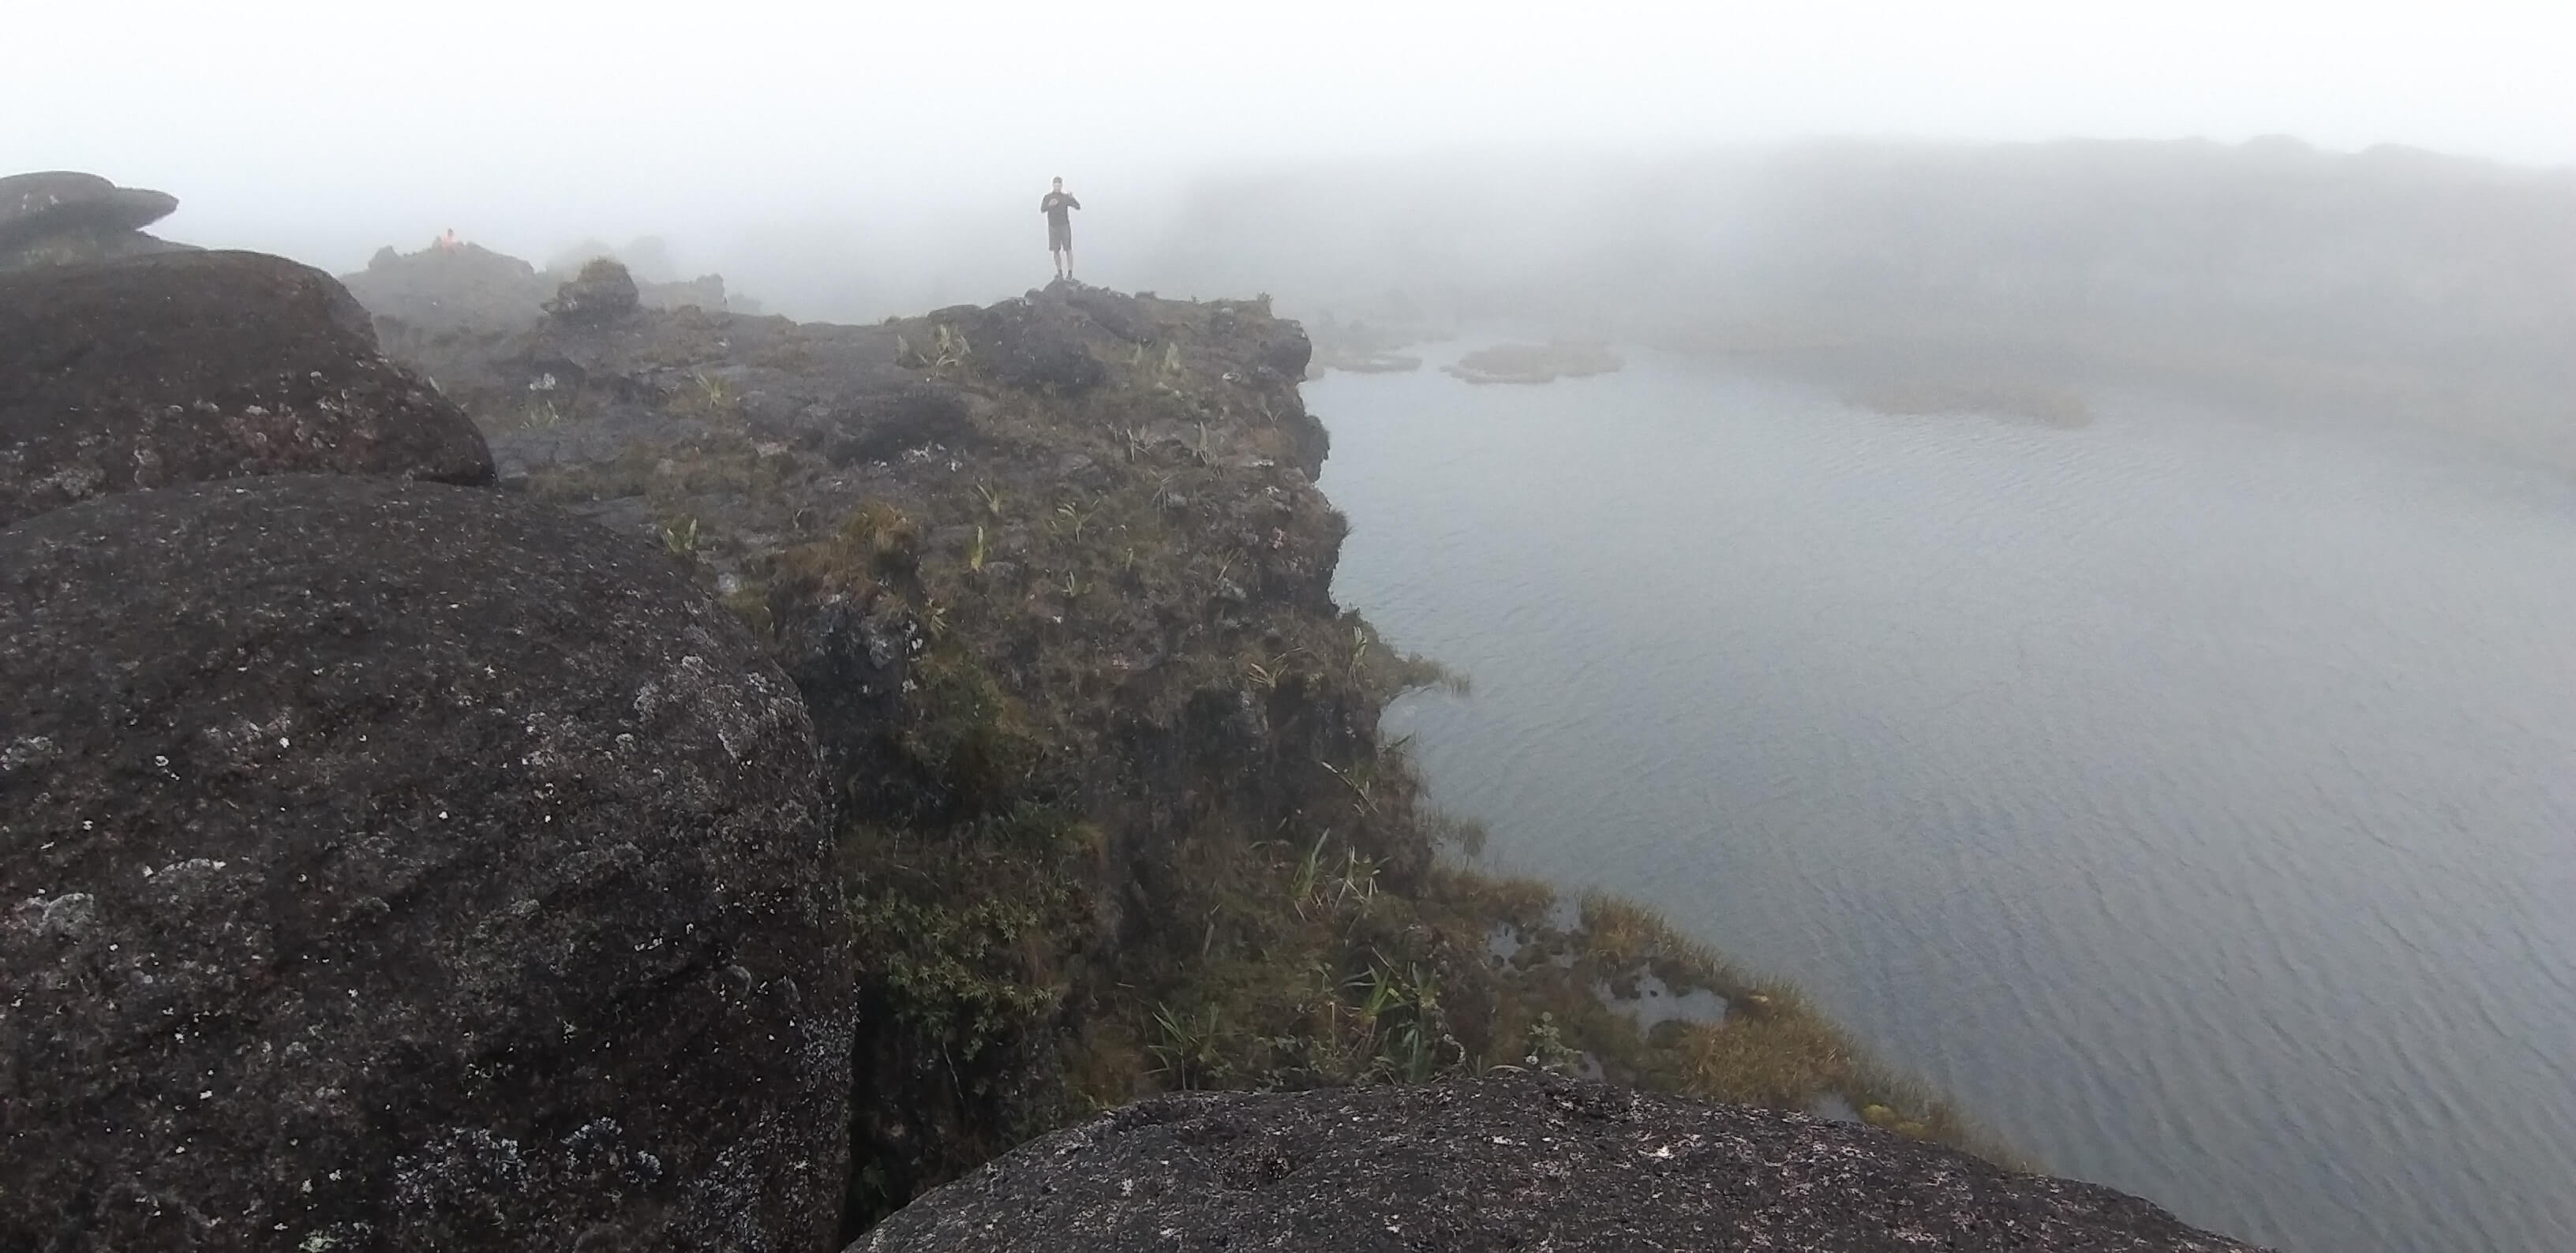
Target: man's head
{"type": "Point", "coordinates": [1059, 184]}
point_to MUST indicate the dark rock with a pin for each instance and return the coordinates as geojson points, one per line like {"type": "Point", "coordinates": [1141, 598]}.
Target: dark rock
{"type": "Point", "coordinates": [1283, 346]}
{"type": "Point", "coordinates": [189, 366]}
{"type": "Point", "coordinates": [883, 425]}
{"type": "Point", "coordinates": [62, 216]}
{"type": "Point", "coordinates": [1034, 345]}
{"type": "Point", "coordinates": [602, 293]}
{"type": "Point", "coordinates": [1116, 312]}
{"type": "Point", "coordinates": [1506, 1163]}
{"type": "Point", "coordinates": [401, 866]}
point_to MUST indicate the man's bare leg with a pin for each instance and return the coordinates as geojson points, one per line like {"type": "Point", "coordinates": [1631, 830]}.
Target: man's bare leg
{"type": "Point", "coordinates": [1068, 263]}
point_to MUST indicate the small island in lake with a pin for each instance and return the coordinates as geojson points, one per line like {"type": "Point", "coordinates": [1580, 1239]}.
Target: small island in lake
{"type": "Point", "coordinates": [1535, 363]}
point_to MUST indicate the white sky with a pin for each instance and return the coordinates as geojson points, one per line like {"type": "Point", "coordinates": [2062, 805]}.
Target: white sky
{"type": "Point", "coordinates": [360, 120]}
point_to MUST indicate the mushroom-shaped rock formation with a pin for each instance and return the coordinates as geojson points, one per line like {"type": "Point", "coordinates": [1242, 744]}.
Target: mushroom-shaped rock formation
{"type": "Point", "coordinates": [393, 865]}
{"type": "Point", "coordinates": [1507, 1163]}
{"type": "Point", "coordinates": [60, 215]}
{"type": "Point", "coordinates": [186, 366]}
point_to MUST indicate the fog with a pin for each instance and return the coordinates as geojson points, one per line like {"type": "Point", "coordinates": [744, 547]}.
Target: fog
{"type": "Point", "coordinates": [1972, 454]}
{"type": "Point", "coordinates": [858, 160]}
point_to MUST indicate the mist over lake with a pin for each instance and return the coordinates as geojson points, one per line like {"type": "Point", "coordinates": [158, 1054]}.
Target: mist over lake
{"type": "Point", "coordinates": [2189, 794]}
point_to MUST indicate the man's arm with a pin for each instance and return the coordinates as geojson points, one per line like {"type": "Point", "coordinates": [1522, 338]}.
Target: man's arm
{"type": "Point", "coordinates": [1073, 202]}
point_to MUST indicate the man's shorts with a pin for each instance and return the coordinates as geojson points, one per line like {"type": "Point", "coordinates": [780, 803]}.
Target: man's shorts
{"type": "Point", "coordinates": [1059, 236]}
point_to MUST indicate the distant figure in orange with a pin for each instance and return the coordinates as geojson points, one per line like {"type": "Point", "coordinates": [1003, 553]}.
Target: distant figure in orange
{"type": "Point", "coordinates": [449, 242]}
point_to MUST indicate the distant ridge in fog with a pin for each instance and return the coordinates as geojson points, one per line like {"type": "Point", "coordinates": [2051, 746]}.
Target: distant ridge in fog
{"type": "Point", "coordinates": [2402, 279]}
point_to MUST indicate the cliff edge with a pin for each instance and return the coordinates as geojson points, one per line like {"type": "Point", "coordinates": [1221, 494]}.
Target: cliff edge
{"type": "Point", "coordinates": [1113, 812]}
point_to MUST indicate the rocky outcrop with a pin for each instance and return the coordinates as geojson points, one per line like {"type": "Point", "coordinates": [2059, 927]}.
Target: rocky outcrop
{"type": "Point", "coordinates": [1032, 345]}
{"type": "Point", "coordinates": [706, 291]}
{"type": "Point", "coordinates": [601, 293]}
{"type": "Point", "coordinates": [399, 866]}
{"type": "Point", "coordinates": [472, 288]}
{"type": "Point", "coordinates": [451, 288]}
{"type": "Point", "coordinates": [61, 216]}
{"type": "Point", "coordinates": [1507, 1163]}
{"type": "Point", "coordinates": [182, 367]}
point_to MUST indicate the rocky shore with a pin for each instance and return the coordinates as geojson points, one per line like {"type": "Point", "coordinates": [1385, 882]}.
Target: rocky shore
{"type": "Point", "coordinates": [618, 777]}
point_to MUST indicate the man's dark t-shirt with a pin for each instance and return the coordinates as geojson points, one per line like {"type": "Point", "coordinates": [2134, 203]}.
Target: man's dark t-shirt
{"type": "Point", "coordinates": [1057, 207]}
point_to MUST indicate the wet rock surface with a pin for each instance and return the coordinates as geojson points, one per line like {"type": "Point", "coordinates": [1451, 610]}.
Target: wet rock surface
{"type": "Point", "coordinates": [59, 216]}
{"type": "Point", "coordinates": [402, 866]}
{"type": "Point", "coordinates": [181, 367]}
{"type": "Point", "coordinates": [1506, 1163]}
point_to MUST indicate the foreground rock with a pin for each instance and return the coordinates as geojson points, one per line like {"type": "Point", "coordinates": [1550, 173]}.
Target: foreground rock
{"type": "Point", "coordinates": [398, 866]}
{"type": "Point", "coordinates": [183, 367]}
{"type": "Point", "coordinates": [60, 216]}
{"type": "Point", "coordinates": [1506, 1163]}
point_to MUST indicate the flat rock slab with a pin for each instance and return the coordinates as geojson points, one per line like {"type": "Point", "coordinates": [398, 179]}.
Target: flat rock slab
{"type": "Point", "coordinates": [1517, 1163]}
{"type": "Point", "coordinates": [400, 866]}
{"type": "Point", "coordinates": [183, 367]}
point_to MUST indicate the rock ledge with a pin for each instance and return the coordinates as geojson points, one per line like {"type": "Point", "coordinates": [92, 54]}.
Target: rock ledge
{"type": "Point", "coordinates": [1513, 1162]}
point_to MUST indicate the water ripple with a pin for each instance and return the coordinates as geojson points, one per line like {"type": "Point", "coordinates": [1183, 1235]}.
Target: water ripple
{"type": "Point", "coordinates": [2192, 794]}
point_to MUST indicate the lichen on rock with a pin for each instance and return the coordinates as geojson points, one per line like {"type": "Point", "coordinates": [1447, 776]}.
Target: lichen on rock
{"type": "Point", "coordinates": [404, 866]}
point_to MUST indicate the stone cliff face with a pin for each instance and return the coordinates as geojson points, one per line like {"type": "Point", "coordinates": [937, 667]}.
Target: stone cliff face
{"type": "Point", "coordinates": [1115, 817]}
{"type": "Point", "coordinates": [1055, 579]}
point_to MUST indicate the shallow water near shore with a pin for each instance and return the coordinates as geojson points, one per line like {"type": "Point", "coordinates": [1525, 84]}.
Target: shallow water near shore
{"type": "Point", "coordinates": [2192, 795]}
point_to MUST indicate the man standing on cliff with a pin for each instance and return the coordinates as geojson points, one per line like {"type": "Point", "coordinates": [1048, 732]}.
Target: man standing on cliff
{"type": "Point", "coordinates": [1059, 209]}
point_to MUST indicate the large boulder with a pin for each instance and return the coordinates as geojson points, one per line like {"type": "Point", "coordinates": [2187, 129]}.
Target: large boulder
{"type": "Point", "coordinates": [399, 866]}
{"type": "Point", "coordinates": [1507, 1163]}
{"type": "Point", "coordinates": [1037, 344]}
{"type": "Point", "coordinates": [157, 370]}
{"type": "Point", "coordinates": [603, 292]}
{"type": "Point", "coordinates": [61, 215]}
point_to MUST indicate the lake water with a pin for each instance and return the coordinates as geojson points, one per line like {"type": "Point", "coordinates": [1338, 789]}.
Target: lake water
{"type": "Point", "coordinates": [2191, 795]}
